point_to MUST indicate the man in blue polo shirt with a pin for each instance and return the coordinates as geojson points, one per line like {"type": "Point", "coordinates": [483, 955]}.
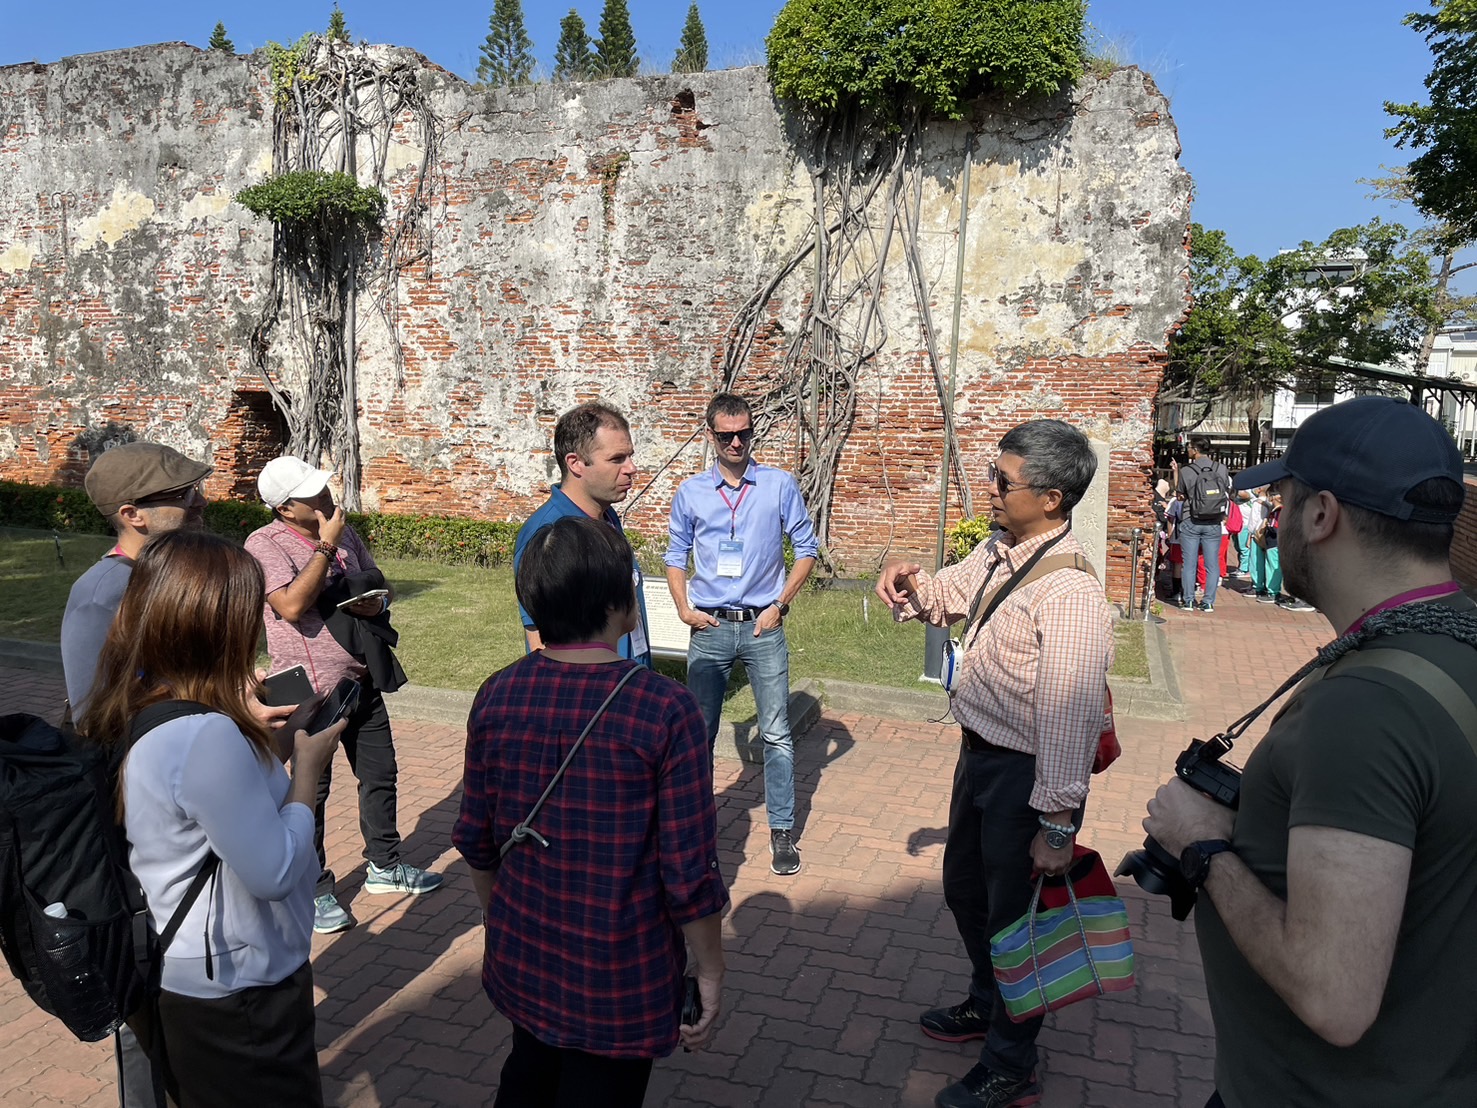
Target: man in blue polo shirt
{"type": "Point", "coordinates": [597, 467]}
{"type": "Point", "coordinates": [732, 520]}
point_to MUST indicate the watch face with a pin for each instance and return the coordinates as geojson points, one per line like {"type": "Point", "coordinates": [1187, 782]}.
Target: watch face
{"type": "Point", "coordinates": [1055, 839]}
{"type": "Point", "coordinates": [1190, 862]}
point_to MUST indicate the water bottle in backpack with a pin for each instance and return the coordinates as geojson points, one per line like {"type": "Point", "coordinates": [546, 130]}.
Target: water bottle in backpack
{"type": "Point", "coordinates": [89, 1004]}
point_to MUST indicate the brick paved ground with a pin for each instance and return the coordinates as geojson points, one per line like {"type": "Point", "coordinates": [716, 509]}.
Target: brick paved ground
{"type": "Point", "coordinates": [827, 970]}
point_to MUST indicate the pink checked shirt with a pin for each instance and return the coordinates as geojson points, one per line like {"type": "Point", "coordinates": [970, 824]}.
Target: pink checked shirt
{"type": "Point", "coordinates": [1033, 677]}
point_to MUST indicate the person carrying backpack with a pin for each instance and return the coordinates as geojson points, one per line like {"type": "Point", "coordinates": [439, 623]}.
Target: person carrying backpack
{"type": "Point", "coordinates": [1205, 489]}
{"type": "Point", "coordinates": [235, 1012]}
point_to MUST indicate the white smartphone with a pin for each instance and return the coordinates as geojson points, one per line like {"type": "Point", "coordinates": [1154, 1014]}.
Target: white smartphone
{"type": "Point", "coordinates": [372, 594]}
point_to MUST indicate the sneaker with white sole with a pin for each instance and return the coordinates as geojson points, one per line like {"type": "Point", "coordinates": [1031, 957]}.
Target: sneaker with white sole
{"type": "Point", "coordinates": [329, 915]}
{"type": "Point", "coordinates": [786, 858]}
{"type": "Point", "coordinates": [401, 878]}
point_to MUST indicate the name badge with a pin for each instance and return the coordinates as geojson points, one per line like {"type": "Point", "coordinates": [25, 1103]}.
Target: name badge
{"type": "Point", "coordinates": [639, 645]}
{"type": "Point", "coordinates": [730, 557]}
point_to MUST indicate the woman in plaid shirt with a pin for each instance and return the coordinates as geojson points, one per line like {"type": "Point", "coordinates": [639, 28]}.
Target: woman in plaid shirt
{"type": "Point", "coordinates": [585, 935]}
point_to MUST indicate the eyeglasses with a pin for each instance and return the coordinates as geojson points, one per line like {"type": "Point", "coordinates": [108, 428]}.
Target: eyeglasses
{"type": "Point", "coordinates": [1003, 483]}
{"type": "Point", "coordinates": [744, 436]}
{"type": "Point", "coordinates": [165, 499]}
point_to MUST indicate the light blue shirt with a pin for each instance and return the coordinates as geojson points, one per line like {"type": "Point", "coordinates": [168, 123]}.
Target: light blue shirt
{"type": "Point", "coordinates": [702, 518]}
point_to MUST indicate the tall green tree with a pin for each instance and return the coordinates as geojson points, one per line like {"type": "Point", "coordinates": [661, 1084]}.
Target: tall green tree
{"type": "Point", "coordinates": [692, 51]}
{"type": "Point", "coordinates": [338, 29]}
{"type": "Point", "coordinates": [1365, 294]}
{"type": "Point", "coordinates": [573, 58]}
{"type": "Point", "coordinates": [1443, 176]}
{"type": "Point", "coordinates": [615, 53]}
{"type": "Point", "coordinates": [506, 55]}
{"type": "Point", "coordinates": [219, 41]}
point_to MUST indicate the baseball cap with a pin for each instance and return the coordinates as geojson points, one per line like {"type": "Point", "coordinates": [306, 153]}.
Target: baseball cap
{"type": "Point", "coordinates": [284, 479]}
{"type": "Point", "coordinates": [1370, 452]}
{"type": "Point", "coordinates": [134, 471]}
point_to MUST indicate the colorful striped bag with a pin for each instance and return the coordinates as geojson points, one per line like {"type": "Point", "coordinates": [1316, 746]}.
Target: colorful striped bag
{"type": "Point", "coordinates": [1053, 957]}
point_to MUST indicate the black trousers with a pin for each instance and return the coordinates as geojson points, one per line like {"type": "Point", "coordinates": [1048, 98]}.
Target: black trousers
{"type": "Point", "coordinates": [246, 1050]}
{"type": "Point", "coordinates": [540, 1076]}
{"type": "Point", "coordinates": [140, 1078]}
{"type": "Point", "coordinates": [987, 883]}
{"type": "Point", "coordinates": [370, 748]}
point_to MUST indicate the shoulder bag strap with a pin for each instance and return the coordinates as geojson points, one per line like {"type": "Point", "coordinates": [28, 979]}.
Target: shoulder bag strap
{"type": "Point", "coordinates": [523, 830]}
{"type": "Point", "coordinates": [1439, 685]}
{"type": "Point", "coordinates": [1008, 586]}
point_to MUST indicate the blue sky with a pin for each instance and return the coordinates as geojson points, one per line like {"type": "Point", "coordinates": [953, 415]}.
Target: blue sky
{"type": "Point", "coordinates": [1279, 105]}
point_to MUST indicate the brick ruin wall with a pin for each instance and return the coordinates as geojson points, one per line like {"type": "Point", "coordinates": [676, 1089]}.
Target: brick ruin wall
{"type": "Point", "coordinates": [585, 241]}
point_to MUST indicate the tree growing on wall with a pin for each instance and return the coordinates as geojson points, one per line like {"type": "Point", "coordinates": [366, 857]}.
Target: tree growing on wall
{"type": "Point", "coordinates": [869, 74]}
{"type": "Point", "coordinates": [219, 41]}
{"type": "Point", "coordinates": [1365, 294]}
{"type": "Point", "coordinates": [337, 110]}
{"type": "Point", "coordinates": [1442, 178]}
{"type": "Point", "coordinates": [573, 58]}
{"type": "Point", "coordinates": [338, 29]}
{"type": "Point", "coordinates": [615, 53]}
{"type": "Point", "coordinates": [506, 53]}
{"type": "Point", "coordinates": [692, 51]}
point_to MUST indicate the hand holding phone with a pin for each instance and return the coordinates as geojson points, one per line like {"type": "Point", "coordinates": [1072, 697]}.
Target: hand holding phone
{"type": "Point", "coordinates": [288, 686]}
{"type": "Point", "coordinates": [371, 594]}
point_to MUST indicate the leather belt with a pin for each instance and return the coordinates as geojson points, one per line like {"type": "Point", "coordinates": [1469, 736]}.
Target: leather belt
{"type": "Point", "coordinates": [975, 744]}
{"type": "Point", "coordinates": [733, 615]}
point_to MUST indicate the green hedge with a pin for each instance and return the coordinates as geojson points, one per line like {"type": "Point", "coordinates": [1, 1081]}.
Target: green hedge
{"type": "Point", "coordinates": [430, 538]}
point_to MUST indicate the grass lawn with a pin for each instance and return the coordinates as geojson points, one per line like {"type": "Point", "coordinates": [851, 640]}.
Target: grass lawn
{"type": "Point", "coordinates": [458, 624]}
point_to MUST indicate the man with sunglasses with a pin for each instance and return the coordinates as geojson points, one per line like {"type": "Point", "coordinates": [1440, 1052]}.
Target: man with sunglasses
{"type": "Point", "coordinates": [732, 520]}
{"type": "Point", "coordinates": [1030, 700]}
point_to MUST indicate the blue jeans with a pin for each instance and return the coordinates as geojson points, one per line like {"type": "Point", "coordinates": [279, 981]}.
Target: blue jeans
{"type": "Point", "coordinates": [711, 653]}
{"type": "Point", "coordinates": [1195, 538]}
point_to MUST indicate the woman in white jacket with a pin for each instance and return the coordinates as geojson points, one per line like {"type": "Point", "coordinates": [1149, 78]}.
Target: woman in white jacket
{"type": "Point", "coordinates": [236, 1010]}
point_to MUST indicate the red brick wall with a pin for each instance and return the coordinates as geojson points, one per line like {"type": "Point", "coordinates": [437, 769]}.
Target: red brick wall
{"type": "Point", "coordinates": [1464, 545]}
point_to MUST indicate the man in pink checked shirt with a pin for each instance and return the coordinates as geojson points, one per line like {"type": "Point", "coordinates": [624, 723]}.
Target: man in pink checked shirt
{"type": "Point", "coordinates": [1030, 699]}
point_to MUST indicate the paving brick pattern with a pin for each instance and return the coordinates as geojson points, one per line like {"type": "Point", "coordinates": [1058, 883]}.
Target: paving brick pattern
{"type": "Point", "coordinates": [828, 970]}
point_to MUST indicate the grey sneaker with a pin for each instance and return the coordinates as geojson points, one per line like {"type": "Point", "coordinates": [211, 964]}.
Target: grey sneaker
{"type": "Point", "coordinates": [329, 915]}
{"type": "Point", "coordinates": [782, 845]}
{"type": "Point", "coordinates": [980, 1088]}
{"type": "Point", "coordinates": [1265, 598]}
{"type": "Point", "coordinates": [401, 878]}
{"type": "Point", "coordinates": [1293, 604]}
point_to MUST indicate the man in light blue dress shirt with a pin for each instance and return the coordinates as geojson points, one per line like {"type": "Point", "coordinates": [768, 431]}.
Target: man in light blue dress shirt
{"type": "Point", "coordinates": [732, 520]}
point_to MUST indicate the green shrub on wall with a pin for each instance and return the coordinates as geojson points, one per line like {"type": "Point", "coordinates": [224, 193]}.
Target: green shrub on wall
{"type": "Point", "coordinates": [964, 536]}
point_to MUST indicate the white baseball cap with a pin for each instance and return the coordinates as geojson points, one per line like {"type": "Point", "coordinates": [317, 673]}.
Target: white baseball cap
{"type": "Point", "coordinates": [289, 478]}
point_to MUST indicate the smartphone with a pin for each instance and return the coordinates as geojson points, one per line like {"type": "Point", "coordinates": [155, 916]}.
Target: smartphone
{"type": "Point", "coordinates": [289, 686]}
{"type": "Point", "coordinates": [321, 711]}
{"type": "Point", "coordinates": [692, 1002]}
{"type": "Point", "coordinates": [372, 594]}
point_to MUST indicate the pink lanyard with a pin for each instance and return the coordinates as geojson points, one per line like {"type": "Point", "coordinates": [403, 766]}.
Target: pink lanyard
{"type": "Point", "coordinates": [337, 560]}
{"type": "Point", "coordinates": [1428, 592]}
{"type": "Point", "coordinates": [732, 507]}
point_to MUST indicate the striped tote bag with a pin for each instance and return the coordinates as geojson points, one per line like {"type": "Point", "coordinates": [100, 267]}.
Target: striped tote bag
{"type": "Point", "coordinates": [1053, 957]}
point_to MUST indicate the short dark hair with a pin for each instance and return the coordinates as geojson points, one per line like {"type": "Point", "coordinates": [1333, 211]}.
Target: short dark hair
{"type": "Point", "coordinates": [1201, 444]}
{"type": "Point", "coordinates": [1057, 456]}
{"type": "Point", "coordinates": [575, 432]}
{"type": "Point", "coordinates": [727, 404]}
{"type": "Point", "coordinates": [573, 573]}
{"type": "Point", "coordinates": [1426, 542]}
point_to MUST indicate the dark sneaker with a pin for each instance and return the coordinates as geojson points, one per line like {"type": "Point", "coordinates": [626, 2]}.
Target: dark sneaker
{"type": "Point", "coordinates": [400, 878]}
{"type": "Point", "coordinates": [329, 915]}
{"type": "Point", "coordinates": [1265, 598]}
{"type": "Point", "coordinates": [982, 1089]}
{"type": "Point", "coordinates": [958, 1024]}
{"type": "Point", "coordinates": [782, 845]}
{"type": "Point", "coordinates": [1202, 606]}
{"type": "Point", "coordinates": [1186, 606]}
{"type": "Point", "coordinates": [1293, 604]}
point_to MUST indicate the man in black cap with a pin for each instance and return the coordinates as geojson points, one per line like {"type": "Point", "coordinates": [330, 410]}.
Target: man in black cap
{"type": "Point", "coordinates": [1337, 902]}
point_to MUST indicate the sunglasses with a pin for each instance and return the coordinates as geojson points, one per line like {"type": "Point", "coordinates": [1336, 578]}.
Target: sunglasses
{"type": "Point", "coordinates": [745, 436]}
{"type": "Point", "coordinates": [1001, 482]}
{"type": "Point", "coordinates": [177, 496]}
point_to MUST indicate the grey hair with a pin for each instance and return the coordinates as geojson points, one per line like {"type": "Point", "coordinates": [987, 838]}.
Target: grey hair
{"type": "Point", "coordinates": [1057, 456]}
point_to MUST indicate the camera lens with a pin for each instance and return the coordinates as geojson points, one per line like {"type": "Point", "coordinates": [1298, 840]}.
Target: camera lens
{"type": "Point", "coordinates": [1157, 872]}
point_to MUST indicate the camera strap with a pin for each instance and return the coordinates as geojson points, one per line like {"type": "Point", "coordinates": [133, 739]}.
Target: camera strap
{"type": "Point", "coordinates": [1014, 581]}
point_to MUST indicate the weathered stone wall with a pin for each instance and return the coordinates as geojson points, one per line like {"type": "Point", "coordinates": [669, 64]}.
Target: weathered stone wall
{"type": "Point", "coordinates": [586, 240]}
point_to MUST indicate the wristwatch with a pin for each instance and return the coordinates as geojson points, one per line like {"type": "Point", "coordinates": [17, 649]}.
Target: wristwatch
{"type": "Point", "coordinates": [784, 608]}
{"type": "Point", "coordinates": [1195, 860]}
{"type": "Point", "coordinates": [1057, 835]}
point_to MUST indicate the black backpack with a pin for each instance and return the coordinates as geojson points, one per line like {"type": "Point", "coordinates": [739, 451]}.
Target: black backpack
{"type": "Point", "coordinates": [61, 843]}
{"type": "Point", "coordinates": [1207, 491]}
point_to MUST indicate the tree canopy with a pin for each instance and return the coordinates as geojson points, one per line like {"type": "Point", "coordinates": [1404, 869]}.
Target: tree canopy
{"type": "Point", "coordinates": [615, 53]}
{"type": "Point", "coordinates": [506, 53]}
{"type": "Point", "coordinates": [936, 55]}
{"type": "Point", "coordinates": [573, 58]}
{"type": "Point", "coordinates": [1443, 176]}
{"type": "Point", "coordinates": [692, 51]}
{"type": "Point", "coordinates": [338, 29]}
{"type": "Point", "coordinates": [219, 41]}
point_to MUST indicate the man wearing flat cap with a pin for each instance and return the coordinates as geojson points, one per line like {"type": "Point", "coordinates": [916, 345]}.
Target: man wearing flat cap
{"type": "Point", "coordinates": [314, 563]}
{"type": "Point", "coordinates": [1337, 902]}
{"type": "Point", "coordinates": [144, 489]}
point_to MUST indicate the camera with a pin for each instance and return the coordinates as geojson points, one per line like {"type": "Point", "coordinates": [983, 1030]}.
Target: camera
{"type": "Point", "coordinates": [1154, 868]}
